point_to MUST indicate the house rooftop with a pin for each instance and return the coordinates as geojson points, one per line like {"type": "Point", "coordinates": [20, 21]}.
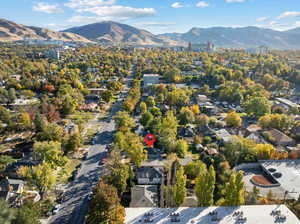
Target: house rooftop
{"type": "Point", "coordinates": [214, 214]}
{"type": "Point", "coordinates": [142, 195]}
{"type": "Point", "coordinates": [224, 135]}
{"type": "Point", "coordinates": [279, 136]}
{"type": "Point", "coordinates": [287, 102]}
{"type": "Point", "coordinates": [289, 172]}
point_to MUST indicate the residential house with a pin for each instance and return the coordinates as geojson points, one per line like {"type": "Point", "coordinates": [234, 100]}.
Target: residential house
{"type": "Point", "coordinates": [257, 138]}
{"type": "Point", "coordinates": [150, 79]}
{"type": "Point", "coordinates": [144, 196]}
{"type": "Point", "coordinates": [202, 99]}
{"type": "Point", "coordinates": [149, 175]}
{"type": "Point", "coordinates": [223, 135]}
{"type": "Point", "coordinates": [209, 108]}
{"type": "Point", "coordinates": [285, 104]}
{"type": "Point", "coordinates": [278, 138]}
{"type": "Point", "coordinates": [10, 188]}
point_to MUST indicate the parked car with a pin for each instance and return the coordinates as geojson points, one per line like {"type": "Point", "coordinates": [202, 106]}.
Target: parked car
{"type": "Point", "coordinates": [85, 156]}
{"type": "Point", "coordinates": [56, 209]}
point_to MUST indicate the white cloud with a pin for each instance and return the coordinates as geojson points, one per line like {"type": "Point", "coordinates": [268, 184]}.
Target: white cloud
{"type": "Point", "coordinates": [177, 5]}
{"type": "Point", "coordinates": [115, 12]}
{"type": "Point", "coordinates": [155, 24]}
{"type": "Point", "coordinates": [297, 23]}
{"type": "Point", "coordinates": [233, 1]}
{"type": "Point", "coordinates": [47, 8]}
{"type": "Point", "coordinates": [88, 3]}
{"type": "Point", "coordinates": [262, 19]}
{"type": "Point", "coordinates": [202, 4]}
{"type": "Point", "coordinates": [289, 14]}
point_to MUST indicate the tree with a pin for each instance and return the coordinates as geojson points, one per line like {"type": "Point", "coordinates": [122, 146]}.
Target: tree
{"type": "Point", "coordinates": [186, 116]}
{"type": "Point", "coordinates": [233, 119]}
{"type": "Point", "coordinates": [135, 149]}
{"type": "Point", "coordinates": [168, 131]}
{"type": "Point", "coordinates": [202, 120]}
{"type": "Point", "coordinates": [5, 161]}
{"type": "Point", "coordinates": [39, 122]}
{"type": "Point", "coordinates": [52, 132]}
{"type": "Point", "coordinates": [182, 148]}
{"type": "Point", "coordinates": [12, 95]}
{"type": "Point", "coordinates": [28, 214]}
{"type": "Point", "coordinates": [180, 187]}
{"type": "Point", "coordinates": [69, 105]}
{"type": "Point", "coordinates": [205, 186]}
{"type": "Point", "coordinates": [107, 96]}
{"type": "Point", "coordinates": [192, 169]}
{"type": "Point", "coordinates": [49, 152]}
{"type": "Point", "coordinates": [25, 121]}
{"type": "Point", "coordinates": [143, 107]}
{"type": "Point", "coordinates": [252, 197]}
{"type": "Point", "coordinates": [240, 150]}
{"type": "Point", "coordinates": [132, 144]}
{"type": "Point", "coordinates": [234, 190]}
{"type": "Point", "coordinates": [146, 119]}
{"type": "Point", "coordinates": [278, 121]}
{"type": "Point", "coordinates": [258, 106]}
{"type": "Point", "coordinates": [5, 114]}
{"type": "Point", "coordinates": [265, 151]}
{"type": "Point", "coordinates": [172, 75]}
{"type": "Point", "coordinates": [123, 121]}
{"type": "Point", "coordinates": [7, 214]}
{"type": "Point", "coordinates": [195, 108]}
{"type": "Point", "coordinates": [118, 177]}
{"type": "Point", "coordinates": [105, 206]}
{"type": "Point", "coordinates": [150, 101]}
{"type": "Point", "coordinates": [40, 176]}
{"type": "Point", "coordinates": [73, 142]}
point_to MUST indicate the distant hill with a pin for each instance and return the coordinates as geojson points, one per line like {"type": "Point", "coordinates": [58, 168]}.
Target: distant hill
{"type": "Point", "coordinates": [109, 32]}
{"type": "Point", "coordinates": [296, 30]}
{"type": "Point", "coordinates": [10, 31]}
{"type": "Point", "coordinates": [244, 37]}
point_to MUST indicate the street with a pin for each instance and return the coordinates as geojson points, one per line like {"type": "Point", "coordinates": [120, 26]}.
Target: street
{"type": "Point", "coordinates": [75, 200]}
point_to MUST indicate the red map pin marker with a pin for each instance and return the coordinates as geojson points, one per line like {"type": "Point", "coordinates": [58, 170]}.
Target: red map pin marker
{"type": "Point", "coordinates": [150, 139]}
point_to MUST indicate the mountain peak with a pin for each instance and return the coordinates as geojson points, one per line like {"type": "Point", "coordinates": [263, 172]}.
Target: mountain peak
{"type": "Point", "coordinates": [113, 32]}
{"type": "Point", "coordinates": [11, 31]}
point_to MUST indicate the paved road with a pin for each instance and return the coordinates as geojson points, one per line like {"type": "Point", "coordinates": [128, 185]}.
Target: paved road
{"type": "Point", "coordinates": [75, 199]}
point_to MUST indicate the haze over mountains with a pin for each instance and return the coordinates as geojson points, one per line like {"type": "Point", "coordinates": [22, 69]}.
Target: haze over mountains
{"type": "Point", "coordinates": [243, 37]}
{"type": "Point", "coordinates": [109, 32]}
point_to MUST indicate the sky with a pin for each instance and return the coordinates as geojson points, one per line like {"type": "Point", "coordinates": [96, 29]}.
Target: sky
{"type": "Point", "coordinates": [157, 16]}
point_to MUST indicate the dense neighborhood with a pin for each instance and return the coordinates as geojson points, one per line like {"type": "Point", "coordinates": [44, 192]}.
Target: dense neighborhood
{"type": "Point", "coordinates": [73, 122]}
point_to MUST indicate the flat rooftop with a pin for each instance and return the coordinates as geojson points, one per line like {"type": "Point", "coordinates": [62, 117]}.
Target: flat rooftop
{"type": "Point", "coordinates": [255, 214]}
{"type": "Point", "coordinates": [290, 174]}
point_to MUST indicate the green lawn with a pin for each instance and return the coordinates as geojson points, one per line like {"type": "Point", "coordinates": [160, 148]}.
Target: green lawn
{"type": "Point", "coordinates": [66, 172]}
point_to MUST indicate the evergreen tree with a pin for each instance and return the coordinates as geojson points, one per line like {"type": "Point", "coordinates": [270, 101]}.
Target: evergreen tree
{"type": "Point", "coordinates": [39, 122]}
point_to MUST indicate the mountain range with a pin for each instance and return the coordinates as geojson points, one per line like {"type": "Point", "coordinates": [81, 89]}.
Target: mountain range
{"type": "Point", "coordinates": [244, 37]}
{"type": "Point", "coordinates": [11, 31]}
{"type": "Point", "coordinates": [111, 33]}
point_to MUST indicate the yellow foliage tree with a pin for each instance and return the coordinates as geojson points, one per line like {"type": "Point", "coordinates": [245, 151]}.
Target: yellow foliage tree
{"type": "Point", "coordinates": [265, 151]}
{"type": "Point", "coordinates": [233, 119]}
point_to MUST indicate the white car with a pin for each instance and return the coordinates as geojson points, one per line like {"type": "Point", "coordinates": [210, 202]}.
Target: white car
{"type": "Point", "coordinates": [56, 208]}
